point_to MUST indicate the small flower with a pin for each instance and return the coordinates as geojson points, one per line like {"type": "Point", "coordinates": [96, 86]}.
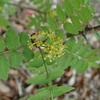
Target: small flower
{"type": "Point", "coordinates": [38, 43]}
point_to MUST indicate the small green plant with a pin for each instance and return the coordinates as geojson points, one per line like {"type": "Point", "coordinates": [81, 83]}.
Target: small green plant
{"type": "Point", "coordinates": [54, 53]}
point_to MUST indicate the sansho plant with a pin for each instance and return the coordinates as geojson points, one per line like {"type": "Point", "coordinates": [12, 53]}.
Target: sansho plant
{"type": "Point", "coordinates": [54, 53]}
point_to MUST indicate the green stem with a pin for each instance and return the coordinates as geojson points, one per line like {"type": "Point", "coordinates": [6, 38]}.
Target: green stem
{"type": "Point", "coordinates": [44, 62]}
{"type": "Point", "coordinates": [8, 51]}
{"type": "Point", "coordinates": [46, 73]}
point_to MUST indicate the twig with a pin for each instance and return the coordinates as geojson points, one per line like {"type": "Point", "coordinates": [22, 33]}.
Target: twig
{"type": "Point", "coordinates": [26, 7]}
{"type": "Point", "coordinates": [86, 31]}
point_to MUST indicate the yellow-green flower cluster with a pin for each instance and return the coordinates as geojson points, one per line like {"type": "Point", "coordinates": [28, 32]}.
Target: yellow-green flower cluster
{"type": "Point", "coordinates": [54, 48]}
{"type": "Point", "coordinates": [30, 44]}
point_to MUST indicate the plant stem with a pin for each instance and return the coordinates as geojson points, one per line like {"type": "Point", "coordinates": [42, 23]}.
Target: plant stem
{"type": "Point", "coordinates": [46, 72]}
{"type": "Point", "coordinates": [8, 51]}
{"type": "Point", "coordinates": [44, 62]}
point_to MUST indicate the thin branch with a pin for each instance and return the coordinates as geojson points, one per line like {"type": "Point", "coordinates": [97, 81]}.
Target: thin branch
{"type": "Point", "coordinates": [8, 51]}
{"type": "Point", "coordinates": [26, 7]}
{"type": "Point", "coordinates": [86, 31]}
{"type": "Point", "coordinates": [44, 62]}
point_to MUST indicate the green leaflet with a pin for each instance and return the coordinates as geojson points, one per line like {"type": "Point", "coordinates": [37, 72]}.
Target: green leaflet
{"type": "Point", "coordinates": [38, 62]}
{"type": "Point", "coordinates": [79, 66]}
{"type": "Point", "coordinates": [82, 2]}
{"type": "Point", "coordinates": [61, 90]}
{"type": "Point", "coordinates": [24, 39]}
{"type": "Point", "coordinates": [87, 12]}
{"type": "Point", "coordinates": [68, 61]}
{"type": "Point", "coordinates": [38, 70]}
{"type": "Point", "coordinates": [15, 59]}
{"type": "Point", "coordinates": [77, 46]}
{"type": "Point", "coordinates": [40, 79]}
{"type": "Point", "coordinates": [94, 59]}
{"type": "Point", "coordinates": [68, 7]}
{"type": "Point", "coordinates": [43, 77]}
{"type": "Point", "coordinates": [3, 21]}
{"type": "Point", "coordinates": [60, 33]}
{"type": "Point", "coordinates": [2, 3]}
{"type": "Point", "coordinates": [34, 22]}
{"type": "Point", "coordinates": [48, 61]}
{"type": "Point", "coordinates": [36, 54]}
{"type": "Point", "coordinates": [93, 64]}
{"type": "Point", "coordinates": [44, 28]}
{"type": "Point", "coordinates": [83, 67]}
{"type": "Point", "coordinates": [82, 16]}
{"type": "Point", "coordinates": [83, 50]}
{"type": "Point", "coordinates": [52, 23]}
{"type": "Point", "coordinates": [44, 5]}
{"type": "Point", "coordinates": [47, 88]}
{"type": "Point", "coordinates": [90, 53]}
{"type": "Point", "coordinates": [61, 14]}
{"type": "Point", "coordinates": [4, 67]}
{"type": "Point", "coordinates": [76, 23]}
{"type": "Point", "coordinates": [47, 8]}
{"type": "Point", "coordinates": [91, 9]}
{"type": "Point", "coordinates": [29, 54]}
{"type": "Point", "coordinates": [74, 62]}
{"type": "Point", "coordinates": [46, 93]}
{"type": "Point", "coordinates": [76, 4]}
{"type": "Point", "coordinates": [37, 2]}
{"type": "Point", "coordinates": [30, 24]}
{"type": "Point", "coordinates": [61, 61]}
{"type": "Point", "coordinates": [11, 39]}
{"type": "Point", "coordinates": [70, 43]}
{"type": "Point", "coordinates": [69, 27]}
{"type": "Point", "coordinates": [2, 45]}
{"type": "Point", "coordinates": [40, 96]}
{"type": "Point", "coordinates": [55, 74]}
